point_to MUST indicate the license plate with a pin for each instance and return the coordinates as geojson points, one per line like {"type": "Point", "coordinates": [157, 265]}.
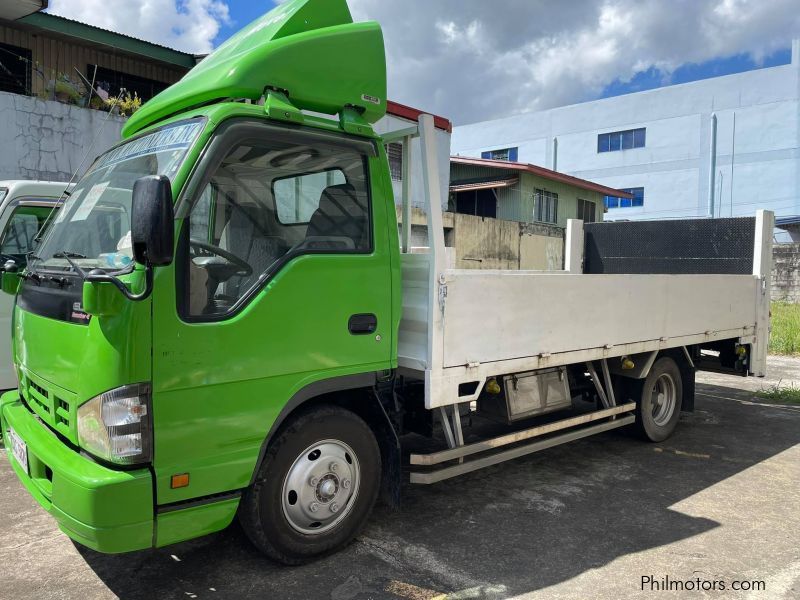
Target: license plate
{"type": "Point", "coordinates": [19, 449]}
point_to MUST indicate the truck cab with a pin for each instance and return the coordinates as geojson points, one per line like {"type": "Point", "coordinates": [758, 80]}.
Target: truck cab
{"type": "Point", "coordinates": [25, 207]}
{"type": "Point", "coordinates": [231, 258]}
{"type": "Point", "coordinates": [222, 320]}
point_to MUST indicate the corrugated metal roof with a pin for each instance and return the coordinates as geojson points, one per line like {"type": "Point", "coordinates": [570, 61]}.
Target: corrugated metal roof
{"type": "Point", "coordinates": [541, 172]}
{"type": "Point", "coordinates": [485, 185]}
{"type": "Point", "coordinates": [98, 35]}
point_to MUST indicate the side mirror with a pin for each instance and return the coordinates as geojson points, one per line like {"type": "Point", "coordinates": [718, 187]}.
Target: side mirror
{"type": "Point", "coordinates": [152, 221]}
{"type": "Point", "coordinates": [10, 277]}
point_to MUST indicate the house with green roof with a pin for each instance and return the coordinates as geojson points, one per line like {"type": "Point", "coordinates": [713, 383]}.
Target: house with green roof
{"type": "Point", "coordinates": [59, 79]}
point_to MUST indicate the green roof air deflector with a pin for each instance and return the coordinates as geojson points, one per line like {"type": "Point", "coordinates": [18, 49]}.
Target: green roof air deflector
{"type": "Point", "coordinates": [310, 48]}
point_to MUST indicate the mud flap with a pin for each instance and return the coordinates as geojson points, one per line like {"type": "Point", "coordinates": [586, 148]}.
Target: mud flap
{"type": "Point", "coordinates": [389, 443]}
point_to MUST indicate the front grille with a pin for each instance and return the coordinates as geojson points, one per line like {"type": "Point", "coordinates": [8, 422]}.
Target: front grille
{"type": "Point", "coordinates": [62, 412]}
{"type": "Point", "coordinates": [55, 407]}
{"type": "Point", "coordinates": [39, 397]}
{"type": "Point", "coordinates": [39, 389]}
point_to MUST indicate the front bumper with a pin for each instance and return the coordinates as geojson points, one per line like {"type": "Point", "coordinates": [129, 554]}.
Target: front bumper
{"type": "Point", "coordinates": [104, 509]}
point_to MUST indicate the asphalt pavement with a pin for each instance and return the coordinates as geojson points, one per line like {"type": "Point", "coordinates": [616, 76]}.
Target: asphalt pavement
{"type": "Point", "coordinates": [604, 517]}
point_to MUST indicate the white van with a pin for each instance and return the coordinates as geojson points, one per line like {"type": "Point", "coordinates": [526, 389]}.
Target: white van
{"type": "Point", "coordinates": [24, 208]}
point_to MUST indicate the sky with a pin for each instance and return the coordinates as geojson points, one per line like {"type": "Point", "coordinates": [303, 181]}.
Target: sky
{"type": "Point", "coordinates": [473, 60]}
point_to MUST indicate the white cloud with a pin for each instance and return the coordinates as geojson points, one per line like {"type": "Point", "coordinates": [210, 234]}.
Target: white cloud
{"type": "Point", "coordinates": [478, 59]}
{"type": "Point", "coordinates": [188, 25]}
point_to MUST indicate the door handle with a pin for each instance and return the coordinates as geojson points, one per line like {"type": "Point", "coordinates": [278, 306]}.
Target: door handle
{"type": "Point", "coordinates": [362, 324]}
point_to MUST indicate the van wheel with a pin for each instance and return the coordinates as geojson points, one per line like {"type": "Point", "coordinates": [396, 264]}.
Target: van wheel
{"type": "Point", "coordinates": [658, 400]}
{"type": "Point", "coordinates": [315, 488]}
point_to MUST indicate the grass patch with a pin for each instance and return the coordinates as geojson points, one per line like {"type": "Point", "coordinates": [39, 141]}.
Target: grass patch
{"type": "Point", "coordinates": [787, 394]}
{"type": "Point", "coordinates": [785, 335]}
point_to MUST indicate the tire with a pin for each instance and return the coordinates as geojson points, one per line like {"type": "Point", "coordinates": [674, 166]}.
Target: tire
{"type": "Point", "coordinates": [658, 400]}
{"type": "Point", "coordinates": [315, 488]}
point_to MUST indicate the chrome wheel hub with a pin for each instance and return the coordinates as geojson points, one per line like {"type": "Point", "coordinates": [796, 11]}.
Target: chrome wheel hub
{"type": "Point", "coordinates": [320, 487]}
{"type": "Point", "coordinates": [663, 398]}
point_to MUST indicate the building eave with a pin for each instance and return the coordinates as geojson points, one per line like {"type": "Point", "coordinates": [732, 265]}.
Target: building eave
{"type": "Point", "coordinates": [541, 172]}
{"type": "Point", "coordinates": [76, 30]}
{"type": "Point", "coordinates": [489, 184]}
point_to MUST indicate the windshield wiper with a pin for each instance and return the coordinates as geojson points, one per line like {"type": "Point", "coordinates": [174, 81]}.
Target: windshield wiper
{"type": "Point", "coordinates": [66, 254]}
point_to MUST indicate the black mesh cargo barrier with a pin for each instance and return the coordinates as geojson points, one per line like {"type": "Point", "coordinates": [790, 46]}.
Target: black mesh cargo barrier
{"type": "Point", "coordinates": [708, 246]}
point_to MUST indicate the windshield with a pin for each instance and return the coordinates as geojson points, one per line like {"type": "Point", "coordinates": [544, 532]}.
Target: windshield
{"type": "Point", "coordinates": [93, 229]}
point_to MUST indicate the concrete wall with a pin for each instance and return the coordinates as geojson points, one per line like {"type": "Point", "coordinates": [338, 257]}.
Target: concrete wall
{"type": "Point", "coordinates": [483, 243]}
{"type": "Point", "coordinates": [48, 140]}
{"type": "Point", "coordinates": [419, 226]}
{"type": "Point", "coordinates": [757, 146]}
{"type": "Point", "coordinates": [786, 272]}
{"type": "Point", "coordinates": [541, 248]}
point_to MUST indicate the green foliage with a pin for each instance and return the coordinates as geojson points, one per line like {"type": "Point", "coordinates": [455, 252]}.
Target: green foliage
{"type": "Point", "coordinates": [787, 394]}
{"type": "Point", "coordinates": [127, 104]}
{"type": "Point", "coordinates": [62, 88]}
{"type": "Point", "coordinates": [785, 335]}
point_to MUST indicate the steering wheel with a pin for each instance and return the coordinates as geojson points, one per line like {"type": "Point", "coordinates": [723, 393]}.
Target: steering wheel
{"type": "Point", "coordinates": [232, 265]}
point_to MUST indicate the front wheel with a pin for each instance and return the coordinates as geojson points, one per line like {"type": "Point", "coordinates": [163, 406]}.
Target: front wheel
{"type": "Point", "coordinates": [658, 400]}
{"type": "Point", "coordinates": [316, 486]}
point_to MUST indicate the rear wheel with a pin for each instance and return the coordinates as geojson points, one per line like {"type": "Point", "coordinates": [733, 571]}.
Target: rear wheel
{"type": "Point", "coordinates": [658, 400]}
{"type": "Point", "coordinates": [315, 488]}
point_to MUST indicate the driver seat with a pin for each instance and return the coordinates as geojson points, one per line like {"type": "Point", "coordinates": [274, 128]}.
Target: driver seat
{"type": "Point", "coordinates": [246, 240]}
{"type": "Point", "coordinates": [340, 221]}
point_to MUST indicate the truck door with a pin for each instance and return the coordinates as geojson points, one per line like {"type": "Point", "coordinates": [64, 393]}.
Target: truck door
{"type": "Point", "coordinates": [282, 279]}
{"type": "Point", "coordinates": [19, 225]}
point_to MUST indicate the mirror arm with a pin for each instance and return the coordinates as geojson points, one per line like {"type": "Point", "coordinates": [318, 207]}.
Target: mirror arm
{"type": "Point", "coordinates": [148, 284]}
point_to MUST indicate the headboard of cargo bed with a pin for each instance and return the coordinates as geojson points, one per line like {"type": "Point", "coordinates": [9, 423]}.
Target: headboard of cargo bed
{"type": "Point", "coordinates": [686, 246]}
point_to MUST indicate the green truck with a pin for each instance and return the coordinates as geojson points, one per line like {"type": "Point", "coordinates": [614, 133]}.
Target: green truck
{"type": "Point", "coordinates": [223, 319]}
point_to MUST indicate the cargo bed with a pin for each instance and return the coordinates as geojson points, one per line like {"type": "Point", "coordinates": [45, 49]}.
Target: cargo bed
{"type": "Point", "coordinates": [703, 281]}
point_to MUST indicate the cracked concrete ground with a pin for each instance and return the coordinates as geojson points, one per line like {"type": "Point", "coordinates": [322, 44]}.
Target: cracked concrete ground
{"type": "Point", "coordinates": [718, 501]}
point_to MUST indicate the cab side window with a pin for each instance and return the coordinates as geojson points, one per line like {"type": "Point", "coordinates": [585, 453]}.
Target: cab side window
{"type": "Point", "coordinates": [19, 236]}
{"type": "Point", "coordinates": [265, 203]}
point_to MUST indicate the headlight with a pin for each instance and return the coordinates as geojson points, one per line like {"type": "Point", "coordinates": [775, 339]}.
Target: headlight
{"type": "Point", "coordinates": [116, 426]}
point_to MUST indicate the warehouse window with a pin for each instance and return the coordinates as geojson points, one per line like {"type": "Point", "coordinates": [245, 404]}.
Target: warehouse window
{"type": "Point", "coordinates": [112, 81]}
{"type": "Point", "coordinates": [479, 203]}
{"type": "Point", "coordinates": [502, 154]}
{"type": "Point", "coordinates": [621, 140]}
{"type": "Point", "coordinates": [394, 151]}
{"type": "Point", "coordinates": [586, 211]}
{"type": "Point", "coordinates": [15, 69]}
{"type": "Point", "coordinates": [616, 202]}
{"type": "Point", "coordinates": [545, 206]}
